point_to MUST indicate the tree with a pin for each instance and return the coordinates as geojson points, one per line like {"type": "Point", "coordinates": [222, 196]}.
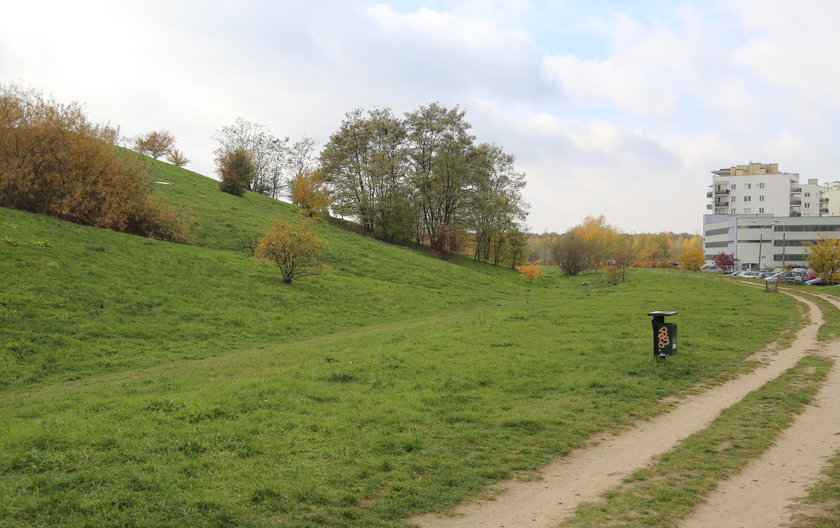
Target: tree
{"type": "Point", "coordinates": [308, 191]}
{"type": "Point", "coordinates": [439, 167]}
{"type": "Point", "coordinates": [824, 258]}
{"type": "Point", "coordinates": [268, 153]}
{"type": "Point", "coordinates": [530, 271]}
{"type": "Point", "coordinates": [365, 166]}
{"type": "Point", "coordinates": [53, 161]}
{"type": "Point", "coordinates": [692, 259]}
{"type": "Point", "coordinates": [294, 248]}
{"type": "Point", "coordinates": [177, 158]}
{"type": "Point", "coordinates": [724, 261]}
{"type": "Point", "coordinates": [155, 144]}
{"type": "Point", "coordinates": [237, 170]}
{"type": "Point", "coordinates": [571, 252]}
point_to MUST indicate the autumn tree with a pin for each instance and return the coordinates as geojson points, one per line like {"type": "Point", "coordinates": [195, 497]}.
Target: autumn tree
{"type": "Point", "coordinates": [531, 271]}
{"type": "Point", "coordinates": [693, 258]}
{"type": "Point", "coordinates": [724, 261]}
{"type": "Point", "coordinates": [307, 191]}
{"type": "Point", "coordinates": [155, 144]}
{"type": "Point", "coordinates": [177, 158]}
{"type": "Point", "coordinates": [824, 258]}
{"type": "Point", "coordinates": [236, 169]}
{"type": "Point", "coordinates": [54, 161]}
{"type": "Point", "coordinates": [294, 248]}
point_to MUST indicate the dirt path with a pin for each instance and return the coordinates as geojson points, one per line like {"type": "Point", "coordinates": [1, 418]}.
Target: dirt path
{"type": "Point", "coordinates": [586, 473]}
{"type": "Point", "coordinates": [763, 494]}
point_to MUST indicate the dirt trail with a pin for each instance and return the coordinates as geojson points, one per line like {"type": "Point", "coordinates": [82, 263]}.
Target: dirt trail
{"type": "Point", "coordinates": [763, 494]}
{"type": "Point", "coordinates": [586, 473]}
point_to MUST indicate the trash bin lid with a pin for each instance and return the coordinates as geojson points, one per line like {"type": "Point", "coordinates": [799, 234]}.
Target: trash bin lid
{"type": "Point", "coordinates": [662, 313]}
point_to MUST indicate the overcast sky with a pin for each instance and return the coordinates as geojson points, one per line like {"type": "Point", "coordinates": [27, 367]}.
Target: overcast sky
{"type": "Point", "coordinates": [613, 108]}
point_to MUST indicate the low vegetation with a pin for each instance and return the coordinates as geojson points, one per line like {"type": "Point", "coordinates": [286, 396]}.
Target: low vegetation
{"type": "Point", "coordinates": [54, 161]}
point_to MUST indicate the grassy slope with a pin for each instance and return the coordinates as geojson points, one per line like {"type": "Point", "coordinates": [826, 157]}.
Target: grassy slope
{"type": "Point", "coordinates": [78, 300]}
{"type": "Point", "coordinates": [466, 376]}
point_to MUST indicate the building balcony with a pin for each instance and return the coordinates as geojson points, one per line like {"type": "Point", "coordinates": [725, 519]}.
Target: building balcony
{"type": "Point", "coordinates": [795, 213]}
{"type": "Point", "coordinates": [709, 194]}
{"type": "Point", "coordinates": [824, 200]}
{"type": "Point", "coordinates": [721, 190]}
{"type": "Point", "coordinates": [794, 190]}
{"type": "Point", "coordinates": [709, 206]}
{"type": "Point", "coordinates": [796, 201]}
{"type": "Point", "coordinates": [721, 203]}
{"type": "Point", "coordinates": [824, 210]}
{"type": "Point", "coordinates": [721, 210]}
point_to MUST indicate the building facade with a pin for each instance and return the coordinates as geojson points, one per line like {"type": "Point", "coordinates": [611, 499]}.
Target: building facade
{"type": "Point", "coordinates": [765, 242]}
{"type": "Point", "coordinates": [765, 217]}
{"type": "Point", "coordinates": [760, 188]}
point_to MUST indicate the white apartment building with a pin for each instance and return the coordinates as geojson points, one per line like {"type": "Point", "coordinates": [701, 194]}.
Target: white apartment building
{"type": "Point", "coordinates": [764, 217]}
{"type": "Point", "coordinates": [759, 188]}
{"type": "Point", "coordinates": [831, 197]}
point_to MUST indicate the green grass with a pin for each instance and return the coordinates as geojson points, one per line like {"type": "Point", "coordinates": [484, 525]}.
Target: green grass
{"type": "Point", "coordinates": [663, 494]}
{"type": "Point", "coordinates": [823, 499]}
{"type": "Point", "coordinates": [830, 329]}
{"type": "Point", "coordinates": [145, 383]}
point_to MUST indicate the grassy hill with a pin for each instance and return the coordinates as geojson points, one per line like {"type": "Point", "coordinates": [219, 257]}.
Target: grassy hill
{"type": "Point", "coordinates": [82, 300]}
{"type": "Point", "coordinates": [147, 383]}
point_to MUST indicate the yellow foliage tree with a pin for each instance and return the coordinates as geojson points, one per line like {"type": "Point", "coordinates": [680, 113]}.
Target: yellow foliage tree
{"type": "Point", "coordinates": [294, 248]}
{"type": "Point", "coordinates": [692, 258]}
{"type": "Point", "coordinates": [308, 191]}
{"type": "Point", "coordinates": [530, 271]}
{"type": "Point", "coordinates": [824, 258]}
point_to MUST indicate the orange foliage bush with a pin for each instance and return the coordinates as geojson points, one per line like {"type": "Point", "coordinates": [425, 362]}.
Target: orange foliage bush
{"type": "Point", "coordinates": [53, 161]}
{"type": "Point", "coordinates": [530, 271]}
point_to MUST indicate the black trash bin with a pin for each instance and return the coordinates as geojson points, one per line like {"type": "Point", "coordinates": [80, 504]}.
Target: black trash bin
{"type": "Point", "coordinates": [664, 335]}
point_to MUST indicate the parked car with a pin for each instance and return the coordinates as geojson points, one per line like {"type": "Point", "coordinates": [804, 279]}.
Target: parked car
{"type": "Point", "coordinates": [751, 274]}
{"type": "Point", "coordinates": [710, 268]}
{"type": "Point", "coordinates": [816, 282]}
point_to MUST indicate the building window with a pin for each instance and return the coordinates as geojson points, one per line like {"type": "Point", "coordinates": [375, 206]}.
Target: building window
{"type": "Point", "coordinates": [761, 198]}
{"type": "Point", "coordinates": [760, 210]}
{"type": "Point", "coordinates": [747, 198]}
{"type": "Point", "coordinates": [733, 186]}
{"type": "Point", "coordinates": [760, 185]}
{"type": "Point", "coordinates": [732, 211]}
{"type": "Point", "coordinates": [807, 205]}
{"type": "Point", "coordinates": [747, 210]}
{"type": "Point", "coordinates": [733, 199]}
{"type": "Point", "coordinates": [749, 186]}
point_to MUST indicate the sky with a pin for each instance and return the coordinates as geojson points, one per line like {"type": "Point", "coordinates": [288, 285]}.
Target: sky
{"type": "Point", "coordinates": [619, 109]}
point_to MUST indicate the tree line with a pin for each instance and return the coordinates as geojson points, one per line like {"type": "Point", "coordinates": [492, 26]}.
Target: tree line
{"type": "Point", "coordinates": [596, 244]}
{"type": "Point", "coordinates": [423, 178]}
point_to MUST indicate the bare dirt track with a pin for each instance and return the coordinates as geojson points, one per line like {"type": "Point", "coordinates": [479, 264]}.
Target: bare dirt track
{"type": "Point", "coordinates": [586, 473]}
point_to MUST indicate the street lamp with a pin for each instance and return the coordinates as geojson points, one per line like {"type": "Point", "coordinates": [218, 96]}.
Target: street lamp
{"type": "Point", "coordinates": [761, 240]}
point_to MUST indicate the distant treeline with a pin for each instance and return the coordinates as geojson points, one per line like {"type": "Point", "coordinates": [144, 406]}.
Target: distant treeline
{"type": "Point", "coordinates": [595, 243]}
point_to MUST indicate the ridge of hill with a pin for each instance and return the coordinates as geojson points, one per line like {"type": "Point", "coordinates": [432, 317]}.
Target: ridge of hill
{"type": "Point", "coordinates": [81, 300]}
